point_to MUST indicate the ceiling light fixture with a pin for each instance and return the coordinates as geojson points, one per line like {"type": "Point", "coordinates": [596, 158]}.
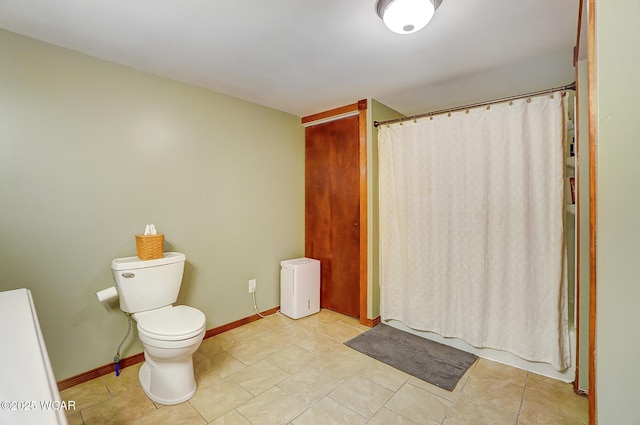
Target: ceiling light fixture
{"type": "Point", "coordinates": [406, 16]}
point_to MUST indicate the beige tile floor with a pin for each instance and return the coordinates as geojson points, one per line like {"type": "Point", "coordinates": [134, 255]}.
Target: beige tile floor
{"type": "Point", "coordinates": [298, 372]}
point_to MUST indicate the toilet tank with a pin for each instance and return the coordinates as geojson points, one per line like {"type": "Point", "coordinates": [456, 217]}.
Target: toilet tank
{"type": "Point", "coordinates": [148, 284]}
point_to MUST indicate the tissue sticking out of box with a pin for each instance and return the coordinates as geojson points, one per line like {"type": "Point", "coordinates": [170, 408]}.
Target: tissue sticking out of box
{"type": "Point", "coordinates": [150, 246]}
{"type": "Point", "coordinates": [150, 230]}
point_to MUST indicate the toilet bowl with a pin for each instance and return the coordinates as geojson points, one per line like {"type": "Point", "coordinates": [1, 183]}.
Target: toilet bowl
{"type": "Point", "coordinates": [169, 334]}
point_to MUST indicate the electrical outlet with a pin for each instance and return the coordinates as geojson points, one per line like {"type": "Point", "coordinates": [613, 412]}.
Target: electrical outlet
{"type": "Point", "coordinates": [252, 286]}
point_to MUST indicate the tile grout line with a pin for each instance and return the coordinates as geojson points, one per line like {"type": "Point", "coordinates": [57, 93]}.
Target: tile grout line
{"type": "Point", "coordinates": [524, 390]}
{"type": "Point", "coordinates": [196, 410]}
{"type": "Point", "coordinates": [464, 384]}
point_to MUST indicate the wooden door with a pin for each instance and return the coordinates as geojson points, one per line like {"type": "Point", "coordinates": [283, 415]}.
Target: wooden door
{"type": "Point", "coordinates": [332, 211]}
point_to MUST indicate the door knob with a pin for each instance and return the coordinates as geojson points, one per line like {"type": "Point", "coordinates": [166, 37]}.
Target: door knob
{"type": "Point", "coordinates": [356, 224]}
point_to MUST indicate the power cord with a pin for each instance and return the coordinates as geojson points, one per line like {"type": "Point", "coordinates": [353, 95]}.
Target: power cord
{"type": "Point", "coordinates": [255, 307]}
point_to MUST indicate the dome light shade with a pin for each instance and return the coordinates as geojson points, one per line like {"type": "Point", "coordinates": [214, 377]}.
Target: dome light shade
{"type": "Point", "coordinates": [406, 16]}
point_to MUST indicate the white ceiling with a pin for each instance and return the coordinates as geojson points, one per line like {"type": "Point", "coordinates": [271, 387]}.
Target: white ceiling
{"type": "Point", "coordinates": [307, 56]}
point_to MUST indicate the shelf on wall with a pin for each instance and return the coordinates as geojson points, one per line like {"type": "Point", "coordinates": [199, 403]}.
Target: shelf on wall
{"type": "Point", "coordinates": [571, 208]}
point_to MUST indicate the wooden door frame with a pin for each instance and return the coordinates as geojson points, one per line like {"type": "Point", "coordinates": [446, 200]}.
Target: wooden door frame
{"type": "Point", "coordinates": [587, 7]}
{"type": "Point", "coordinates": [355, 109]}
{"type": "Point", "coordinates": [592, 108]}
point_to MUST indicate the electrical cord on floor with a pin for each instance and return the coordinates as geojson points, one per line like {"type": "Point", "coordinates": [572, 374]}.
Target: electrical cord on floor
{"type": "Point", "coordinates": [255, 307]}
{"type": "Point", "coordinates": [116, 358]}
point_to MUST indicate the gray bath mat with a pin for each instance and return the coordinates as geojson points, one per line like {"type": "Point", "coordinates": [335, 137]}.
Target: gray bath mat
{"type": "Point", "coordinates": [428, 360]}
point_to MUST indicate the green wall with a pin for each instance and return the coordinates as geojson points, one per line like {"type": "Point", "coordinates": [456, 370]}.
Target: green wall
{"type": "Point", "coordinates": [91, 151]}
{"type": "Point", "coordinates": [377, 112]}
{"type": "Point", "coordinates": [617, 67]}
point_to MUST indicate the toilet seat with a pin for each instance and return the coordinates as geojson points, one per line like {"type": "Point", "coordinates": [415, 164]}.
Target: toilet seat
{"type": "Point", "coordinates": [171, 323]}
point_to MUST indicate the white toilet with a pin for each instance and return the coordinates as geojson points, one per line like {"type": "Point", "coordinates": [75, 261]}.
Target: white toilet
{"type": "Point", "coordinates": [169, 334]}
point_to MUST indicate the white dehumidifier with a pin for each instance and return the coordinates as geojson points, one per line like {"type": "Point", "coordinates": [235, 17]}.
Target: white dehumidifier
{"type": "Point", "coordinates": [299, 287]}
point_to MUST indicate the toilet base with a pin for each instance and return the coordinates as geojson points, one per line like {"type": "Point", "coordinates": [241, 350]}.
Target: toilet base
{"type": "Point", "coordinates": [168, 382]}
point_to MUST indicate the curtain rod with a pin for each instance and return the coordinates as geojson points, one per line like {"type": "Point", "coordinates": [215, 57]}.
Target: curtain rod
{"type": "Point", "coordinates": [571, 86]}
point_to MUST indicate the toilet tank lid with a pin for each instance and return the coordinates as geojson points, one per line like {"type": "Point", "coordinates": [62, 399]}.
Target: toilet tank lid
{"type": "Point", "coordinates": [129, 263]}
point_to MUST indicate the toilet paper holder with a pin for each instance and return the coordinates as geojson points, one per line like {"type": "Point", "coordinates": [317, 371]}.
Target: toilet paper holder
{"type": "Point", "coordinates": [107, 294]}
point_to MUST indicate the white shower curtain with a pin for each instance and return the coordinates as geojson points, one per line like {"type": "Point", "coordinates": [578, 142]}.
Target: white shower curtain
{"type": "Point", "coordinates": [471, 227]}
